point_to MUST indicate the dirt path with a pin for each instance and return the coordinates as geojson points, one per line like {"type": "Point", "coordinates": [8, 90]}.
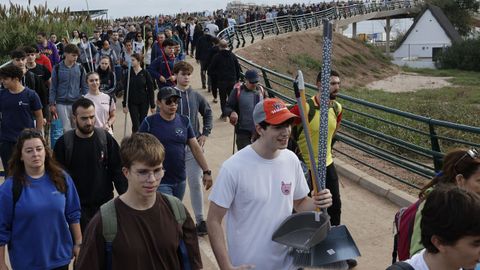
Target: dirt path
{"type": "Point", "coordinates": [409, 82]}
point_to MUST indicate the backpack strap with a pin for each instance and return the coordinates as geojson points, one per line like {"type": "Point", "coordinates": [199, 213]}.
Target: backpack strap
{"type": "Point", "coordinates": [17, 189]}
{"type": "Point", "coordinates": [109, 228]}
{"type": "Point", "coordinates": [311, 114]}
{"type": "Point", "coordinates": [68, 139]}
{"type": "Point", "coordinates": [57, 68]}
{"type": "Point", "coordinates": [238, 89]}
{"type": "Point", "coordinates": [177, 207]}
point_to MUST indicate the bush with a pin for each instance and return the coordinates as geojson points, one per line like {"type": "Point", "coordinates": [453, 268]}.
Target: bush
{"type": "Point", "coordinates": [463, 55]}
{"type": "Point", "coordinates": [20, 25]}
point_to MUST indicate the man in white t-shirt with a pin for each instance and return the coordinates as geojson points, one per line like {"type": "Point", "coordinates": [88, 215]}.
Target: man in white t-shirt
{"type": "Point", "coordinates": [257, 188]}
{"type": "Point", "coordinates": [104, 104]}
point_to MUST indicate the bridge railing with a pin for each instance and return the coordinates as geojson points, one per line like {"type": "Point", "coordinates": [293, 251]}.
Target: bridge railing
{"type": "Point", "coordinates": [239, 35]}
{"type": "Point", "coordinates": [412, 142]}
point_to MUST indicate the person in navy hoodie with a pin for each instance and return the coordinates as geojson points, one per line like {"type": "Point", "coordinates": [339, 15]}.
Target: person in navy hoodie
{"type": "Point", "coordinates": [39, 220]}
{"type": "Point", "coordinates": [19, 107]}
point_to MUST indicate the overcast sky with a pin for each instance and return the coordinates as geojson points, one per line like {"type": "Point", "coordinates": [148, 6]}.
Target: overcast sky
{"type": "Point", "coordinates": [121, 8]}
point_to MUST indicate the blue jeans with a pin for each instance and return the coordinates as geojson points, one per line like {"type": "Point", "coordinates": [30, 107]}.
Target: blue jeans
{"type": "Point", "coordinates": [177, 189]}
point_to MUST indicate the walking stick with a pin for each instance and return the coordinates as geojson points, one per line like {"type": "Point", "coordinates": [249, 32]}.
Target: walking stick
{"type": "Point", "coordinates": [126, 97]}
{"type": "Point", "coordinates": [92, 68]}
{"type": "Point", "coordinates": [144, 45]}
{"type": "Point", "coordinates": [234, 139]}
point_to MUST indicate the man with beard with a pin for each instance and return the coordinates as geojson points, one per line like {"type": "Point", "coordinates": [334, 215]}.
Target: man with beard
{"type": "Point", "coordinates": [334, 118]}
{"type": "Point", "coordinates": [91, 156]}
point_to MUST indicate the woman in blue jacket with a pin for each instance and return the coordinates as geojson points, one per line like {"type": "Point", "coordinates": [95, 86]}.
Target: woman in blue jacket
{"type": "Point", "coordinates": [40, 209]}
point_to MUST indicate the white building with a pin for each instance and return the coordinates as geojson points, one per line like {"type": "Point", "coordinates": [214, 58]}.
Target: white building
{"type": "Point", "coordinates": [431, 33]}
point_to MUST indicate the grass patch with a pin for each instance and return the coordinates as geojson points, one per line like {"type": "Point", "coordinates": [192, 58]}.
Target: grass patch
{"type": "Point", "coordinates": [305, 61]}
{"type": "Point", "coordinates": [458, 104]}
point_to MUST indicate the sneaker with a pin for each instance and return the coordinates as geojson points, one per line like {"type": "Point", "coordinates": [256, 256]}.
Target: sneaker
{"type": "Point", "coordinates": [202, 228]}
{"type": "Point", "coordinates": [204, 86]}
{"type": "Point", "coordinates": [215, 100]}
{"type": "Point", "coordinates": [351, 263]}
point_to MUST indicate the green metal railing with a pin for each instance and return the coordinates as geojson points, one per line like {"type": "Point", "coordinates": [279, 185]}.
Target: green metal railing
{"type": "Point", "coordinates": [381, 138]}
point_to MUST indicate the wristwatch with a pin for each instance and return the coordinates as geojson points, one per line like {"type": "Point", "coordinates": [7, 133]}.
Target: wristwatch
{"type": "Point", "coordinates": [207, 172]}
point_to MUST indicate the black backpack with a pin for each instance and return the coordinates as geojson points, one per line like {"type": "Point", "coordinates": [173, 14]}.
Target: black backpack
{"type": "Point", "coordinates": [100, 135]}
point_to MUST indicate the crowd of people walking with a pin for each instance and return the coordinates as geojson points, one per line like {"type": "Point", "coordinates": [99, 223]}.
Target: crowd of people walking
{"type": "Point", "coordinates": [58, 199]}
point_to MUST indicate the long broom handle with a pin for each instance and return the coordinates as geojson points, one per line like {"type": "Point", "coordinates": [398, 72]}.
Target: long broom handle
{"type": "Point", "coordinates": [324, 91]}
{"type": "Point", "coordinates": [298, 87]}
{"type": "Point", "coordinates": [126, 98]}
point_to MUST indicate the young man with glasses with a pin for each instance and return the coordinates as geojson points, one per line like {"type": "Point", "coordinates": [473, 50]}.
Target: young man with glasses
{"type": "Point", "coordinates": [148, 235]}
{"type": "Point", "coordinates": [175, 132]}
{"type": "Point", "coordinates": [258, 188]}
{"type": "Point", "coordinates": [239, 108]}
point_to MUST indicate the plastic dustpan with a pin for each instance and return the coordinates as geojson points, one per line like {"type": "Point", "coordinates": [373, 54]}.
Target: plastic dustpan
{"type": "Point", "coordinates": [336, 247]}
{"type": "Point", "coordinates": [303, 230]}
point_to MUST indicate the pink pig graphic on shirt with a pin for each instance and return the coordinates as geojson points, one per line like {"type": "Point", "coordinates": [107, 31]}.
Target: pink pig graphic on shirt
{"type": "Point", "coordinates": [286, 188]}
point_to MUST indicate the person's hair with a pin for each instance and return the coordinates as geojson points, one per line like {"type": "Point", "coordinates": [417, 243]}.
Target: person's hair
{"type": "Point", "coordinates": [182, 66]}
{"type": "Point", "coordinates": [75, 30]}
{"type": "Point", "coordinates": [169, 42]}
{"type": "Point", "coordinates": [11, 71]}
{"type": "Point", "coordinates": [16, 167]}
{"type": "Point", "coordinates": [71, 48]}
{"type": "Point", "coordinates": [332, 73]}
{"type": "Point", "coordinates": [30, 49]}
{"type": "Point", "coordinates": [18, 53]}
{"type": "Point", "coordinates": [43, 34]}
{"type": "Point", "coordinates": [449, 213]}
{"type": "Point", "coordinates": [90, 74]}
{"type": "Point", "coordinates": [215, 41]}
{"type": "Point", "coordinates": [455, 162]}
{"type": "Point", "coordinates": [264, 124]}
{"type": "Point", "coordinates": [82, 102]}
{"type": "Point", "coordinates": [141, 147]}
{"type": "Point", "coordinates": [137, 57]}
{"type": "Point", "coordinates": [109, 62]}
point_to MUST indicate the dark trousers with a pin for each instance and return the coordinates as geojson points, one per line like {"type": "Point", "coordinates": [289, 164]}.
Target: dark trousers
{"type": "Point", "coordinates": [203, 73]}
{"type": "Point", "coordinates": [332, 184]}
{"type": "Point", "coordinates": [138, 112]}
{"type": "Point", "coordinates": [224, 89]}
{"type": "Point", "coordinates": [6, 151]}
{"type": "Point", "coordinates": [214, 87]}
{"type": "Point", "coordinates": [87, 214]}
{"type": "Point", "coordinates": [243, 139]}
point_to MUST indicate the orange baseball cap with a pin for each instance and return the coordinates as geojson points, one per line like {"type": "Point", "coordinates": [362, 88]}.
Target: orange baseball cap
{"type": "Point", "coordinates": [271, 110]}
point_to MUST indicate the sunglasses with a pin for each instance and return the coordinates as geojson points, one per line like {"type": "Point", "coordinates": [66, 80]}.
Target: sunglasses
{"type": "Point", "coordinates": [472, 153]}
{"type": "Point", "coordinates": [172, 100]}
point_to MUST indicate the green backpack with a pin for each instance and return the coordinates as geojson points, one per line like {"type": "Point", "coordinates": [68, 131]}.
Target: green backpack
{"type": "Point", "coordinates": [109, 226]}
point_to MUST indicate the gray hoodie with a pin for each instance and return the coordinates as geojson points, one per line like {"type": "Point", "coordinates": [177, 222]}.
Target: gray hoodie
{"type": "Point", "coordinates": [193, 103]}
